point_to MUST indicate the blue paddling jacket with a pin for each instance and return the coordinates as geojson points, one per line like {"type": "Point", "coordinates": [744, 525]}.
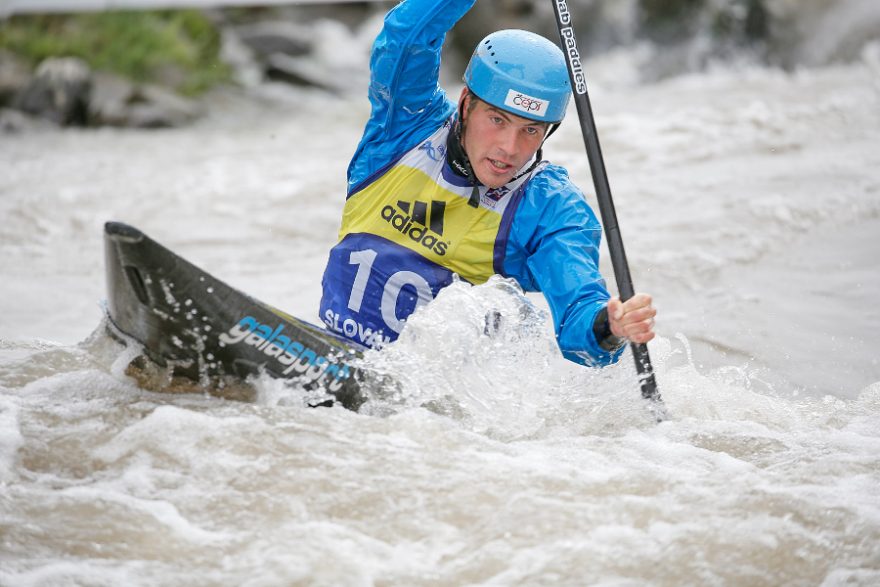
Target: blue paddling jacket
{"type": "Point", "coordinates": [407, 227]}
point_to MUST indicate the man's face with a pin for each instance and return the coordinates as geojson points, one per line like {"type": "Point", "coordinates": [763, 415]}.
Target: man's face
{"type": "Point", "coordinates": [498, 143]}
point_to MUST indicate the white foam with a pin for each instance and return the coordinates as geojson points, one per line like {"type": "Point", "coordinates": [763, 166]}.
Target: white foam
{"type": "Point", "coordinates": [162, 511]}
{"type": "Point", "coordinates": [11, 439]}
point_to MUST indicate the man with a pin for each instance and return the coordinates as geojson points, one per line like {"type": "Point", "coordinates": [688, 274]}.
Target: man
{"type": "Point", "coordinates": [437, 189]}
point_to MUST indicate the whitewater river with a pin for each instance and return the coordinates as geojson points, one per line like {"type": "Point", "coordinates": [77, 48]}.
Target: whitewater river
{"type": "Point", "coordinates": [749, 201]}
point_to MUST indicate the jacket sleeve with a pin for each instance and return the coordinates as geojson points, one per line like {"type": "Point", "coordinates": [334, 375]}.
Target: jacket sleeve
{"type": "Point", "coordinates": [553, 247]}
{"type": "Point", "coordinates": [406, 101]}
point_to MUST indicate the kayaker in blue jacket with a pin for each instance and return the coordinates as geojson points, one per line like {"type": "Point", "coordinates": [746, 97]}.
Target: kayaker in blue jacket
{"type": "Point", "coordinates": [437, 188]}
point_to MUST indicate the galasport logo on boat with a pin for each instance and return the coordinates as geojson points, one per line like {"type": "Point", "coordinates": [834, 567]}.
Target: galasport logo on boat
{"type": "Point", "coordinates": [294, 356]}
{"type": "Point", "coordinates": [413, 220]}
{"type": "Point", "coordinates": [527, 104]}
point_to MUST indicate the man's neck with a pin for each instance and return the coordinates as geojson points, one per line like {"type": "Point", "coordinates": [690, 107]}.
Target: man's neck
{"type": "Point", "coordinates": [456, 157]}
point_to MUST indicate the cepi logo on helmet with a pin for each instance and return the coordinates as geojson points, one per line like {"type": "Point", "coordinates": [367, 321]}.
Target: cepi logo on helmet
{"type": "Point", "coordinates": [528, 104]}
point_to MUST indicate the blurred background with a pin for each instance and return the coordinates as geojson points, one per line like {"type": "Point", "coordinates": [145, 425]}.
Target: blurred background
{"type": "Point", "coordinates": [143, 62]}
{"type": "Point", "coordinates": [741, 140]}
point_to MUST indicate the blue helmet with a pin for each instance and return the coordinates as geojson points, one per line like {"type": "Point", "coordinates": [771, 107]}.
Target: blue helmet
{"type": "Point", "coordinates": [521, 73]}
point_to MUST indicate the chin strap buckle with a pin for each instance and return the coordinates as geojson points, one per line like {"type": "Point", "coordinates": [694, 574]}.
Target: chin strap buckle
{"type": "Point", "coordinates": [474, 200]}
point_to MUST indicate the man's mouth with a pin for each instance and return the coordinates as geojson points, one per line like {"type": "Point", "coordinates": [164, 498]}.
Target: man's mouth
{"type": "Point", "coordinates": [499, 165]}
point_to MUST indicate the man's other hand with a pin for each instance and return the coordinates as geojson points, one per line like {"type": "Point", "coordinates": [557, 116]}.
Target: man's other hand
{"type": "Point", "coordinates": [633, 319]}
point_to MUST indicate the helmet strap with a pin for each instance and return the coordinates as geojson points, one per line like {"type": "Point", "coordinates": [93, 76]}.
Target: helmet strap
{"type": "Point", "coordinates": [539, 154]}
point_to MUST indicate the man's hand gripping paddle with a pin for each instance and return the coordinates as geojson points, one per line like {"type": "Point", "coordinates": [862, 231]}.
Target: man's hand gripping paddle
{"type": "Point", "coordinates": [567, 38]}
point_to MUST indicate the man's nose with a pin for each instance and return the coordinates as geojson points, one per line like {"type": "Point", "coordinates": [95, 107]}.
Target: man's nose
{"type": "Point", "coordinates": [507, 141]}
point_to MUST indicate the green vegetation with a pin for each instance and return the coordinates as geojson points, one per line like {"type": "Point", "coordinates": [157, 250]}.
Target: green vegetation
{"type": "Point", "coordinates": [177, 48]}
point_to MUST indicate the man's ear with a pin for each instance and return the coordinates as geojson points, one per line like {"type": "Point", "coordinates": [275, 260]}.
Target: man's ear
{"type": "Point", "coordinates": [464, 100]}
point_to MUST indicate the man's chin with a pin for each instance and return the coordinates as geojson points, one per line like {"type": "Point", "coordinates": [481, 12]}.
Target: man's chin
{"type": "Point", "coordinates": [495, 181]}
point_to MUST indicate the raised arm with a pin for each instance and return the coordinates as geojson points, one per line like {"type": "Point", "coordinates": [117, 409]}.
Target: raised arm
{"type": "Point", "coordinates": [406, 99]}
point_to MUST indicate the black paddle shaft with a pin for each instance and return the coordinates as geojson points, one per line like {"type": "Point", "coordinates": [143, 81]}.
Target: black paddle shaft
{"type": "Point", "coordinates": [603, 190]}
